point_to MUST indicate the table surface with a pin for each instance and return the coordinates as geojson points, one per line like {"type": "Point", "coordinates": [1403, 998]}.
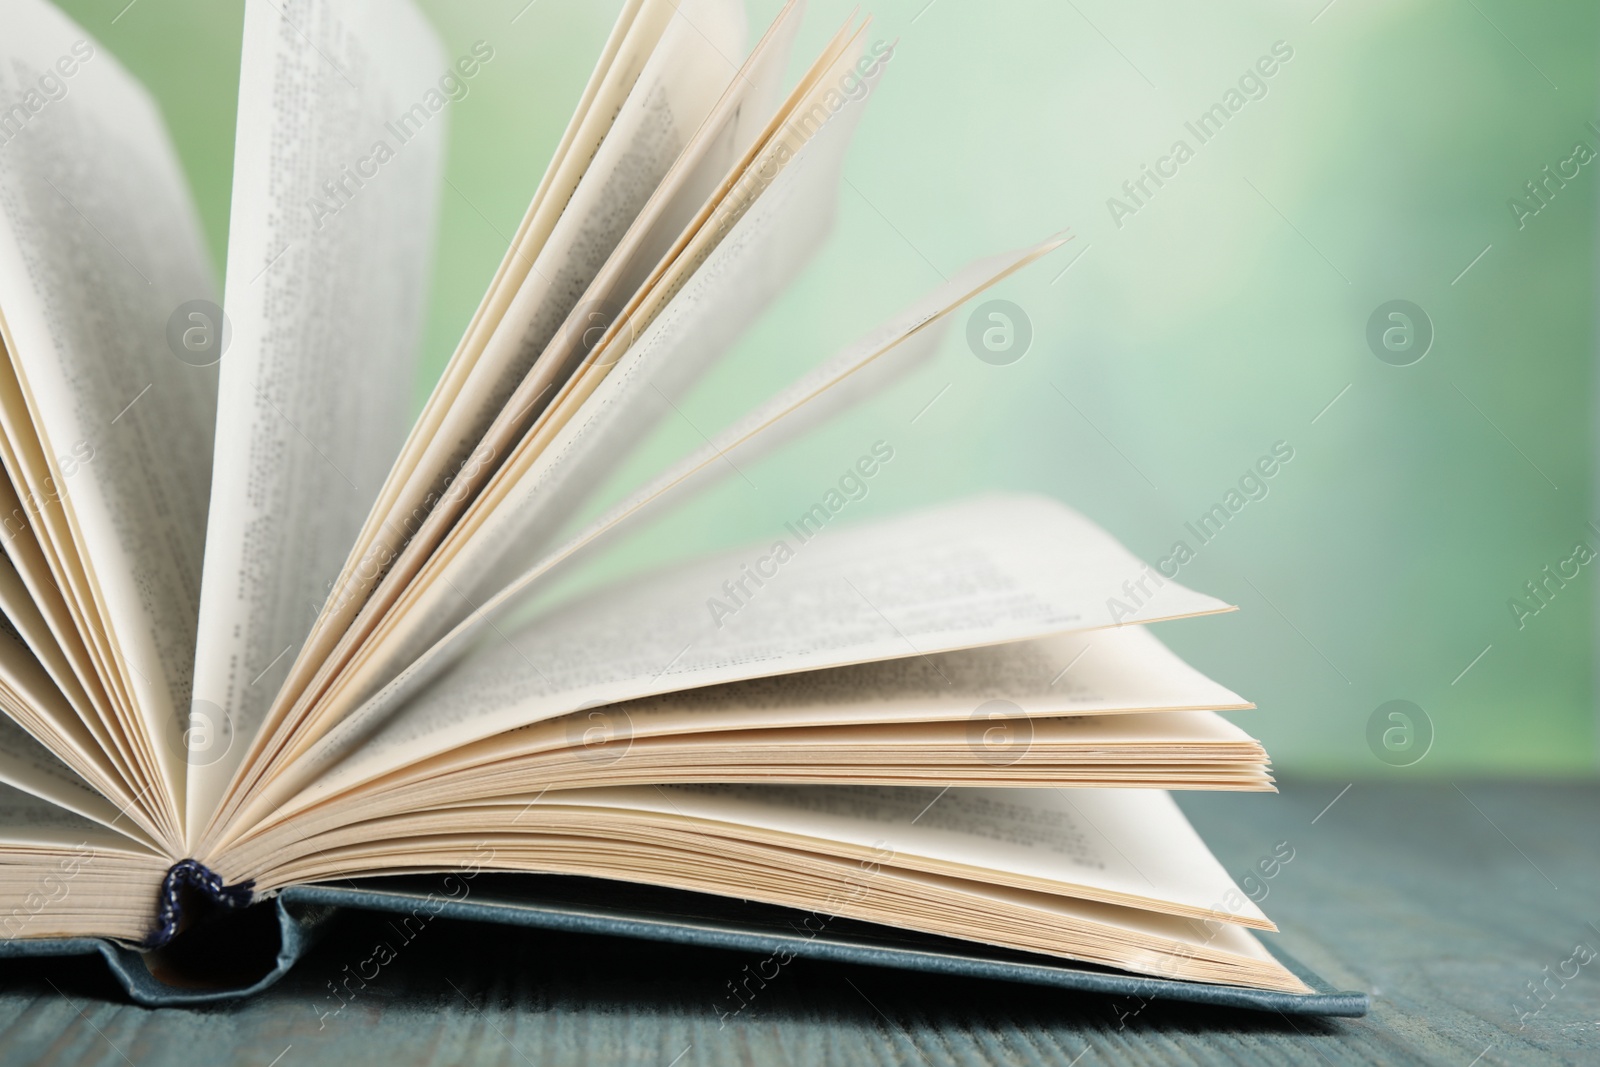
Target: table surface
{"type": "Point", "coordinates": [1447, 902]}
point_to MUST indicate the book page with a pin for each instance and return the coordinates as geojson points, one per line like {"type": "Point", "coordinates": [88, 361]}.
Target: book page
{"type": "Point", "coordinates": [64, 574]}
{"type": "Point", "coordinates": [31, 822]}
{"type": "Point", "coordinates": [64, 875]}
{"type": "Point", "coordinates": [747, 243]}
{"type": "Point", "coordinates": [1088, 708]}
{"type": "Point", "coordinates": [1015, 868]}
{"type": "Point", "coordinates": [904, 340]}
{"type": "Point", "coordinates": [335, 191]}
{"type": "Point", "coordinates": [503, 535]}
{"type": "Point", "coordinates": [909, 336]}
{"type": "Point", "coordinates": [317, 709]}
{"type": "Point", "coordinates": [974, 749]}
{"type": "Point", "coordinates": [672, 93]}
{"type": "Point", "coordinates": [22, 613]}
{"type": "Point", "coordinates": [1093, 738]}
{"type": "Point", "coordinates": [27, 765]}
{"type": "Point", "coordinates": [1117, 846]}
{"type": "Point", "coordinates": [99, 246]}
{"type": "Point", "coordinates": [1122, 676]}
{"type": "Point", "coordinates": [984, 571]}
{"type": "Point", "coordinates": [392, 519]}
{"type": "Point", "coordinates": [1101, 672]}
{"type": "Point", "coordinates": [658, 226]}
{"type": "Point", "coordinates": [695, 238]}
{"type": "Point", "coordinates": [760, 256]}
{"type": "Point", "coordinates": [687, 72]}
{"type": "Point", "coordinates": [599, 748]}
{"type": "Point", "coordinates": [30, 697]}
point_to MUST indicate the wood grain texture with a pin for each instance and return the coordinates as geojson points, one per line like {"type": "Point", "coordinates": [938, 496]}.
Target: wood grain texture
{"type": "Point", "coordinates": [1443, 902]}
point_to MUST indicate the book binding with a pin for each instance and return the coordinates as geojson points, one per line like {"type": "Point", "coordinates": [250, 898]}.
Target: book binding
{"type": "Point", "coordinates": [189, 876]}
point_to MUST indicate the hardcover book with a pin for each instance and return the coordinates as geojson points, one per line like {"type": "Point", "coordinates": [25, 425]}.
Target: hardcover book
{"type": "Point", "coordinates": [271, 645]}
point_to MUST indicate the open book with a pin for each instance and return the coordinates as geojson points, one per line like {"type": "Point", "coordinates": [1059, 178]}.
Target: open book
{"type": "Point", "coordinates": [259, 636]}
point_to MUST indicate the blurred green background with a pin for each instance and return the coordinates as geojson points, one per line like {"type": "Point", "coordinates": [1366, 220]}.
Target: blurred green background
{"type": "Point", "coordinates": [1227, 313]}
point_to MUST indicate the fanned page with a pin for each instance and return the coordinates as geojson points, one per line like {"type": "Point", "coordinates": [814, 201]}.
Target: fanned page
{"type": "Point", "coordinates": [1103, 707]}
{"type": "Point", "coordinates": [686, 73]}
{"type": "Point", "coordinates": [583, 336]}
{"type": "Point", "coordinates": [27, 765]}
{"type": "Point", "coordinates": [986, 571]}
{"type": "Point", "coordinates": [1113, 877]}
{"type": "Point", "coordinates": [107, 432]}
{"type": "Point", "coordinates": [734, 272]}
{"type": "Point", "coordinates": [62, 875]}
{"type": "Point", "coordinates": [902, 341]}
{"type": "Point", "coordinates": [1128, 848]}
{"type": "Point", "coordinates": [655, 82]}
{"type": "Point", "coordinates": [608, 746]}
{"type": "Point", "coordinates": [950, 721]}
{"type": "Point", "coordinates": [335, 190]}
{"type": "Point", "coordinates": [518, 516]}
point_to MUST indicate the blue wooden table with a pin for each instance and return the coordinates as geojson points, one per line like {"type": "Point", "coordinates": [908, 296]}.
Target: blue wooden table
{"type": "Point", "coordinates": [1469, 911]}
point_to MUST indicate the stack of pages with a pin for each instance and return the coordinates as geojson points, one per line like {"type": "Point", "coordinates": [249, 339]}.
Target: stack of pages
{"type": "Point", "coordinates": [259, 634]}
